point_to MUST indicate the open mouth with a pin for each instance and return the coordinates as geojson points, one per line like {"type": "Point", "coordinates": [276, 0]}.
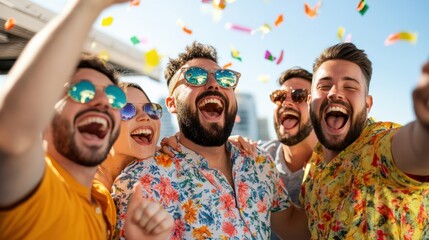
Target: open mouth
{"type": "Point", "coordinates": [94, 126]}
{"type": "Point", "coordinates": [142, 135]}
{"type": "Point", "coordinates": [211, 107]}
{"type": "Point", "coordinates": [336, 117]}
{"type": "Point", "coordinates": [289, 119]}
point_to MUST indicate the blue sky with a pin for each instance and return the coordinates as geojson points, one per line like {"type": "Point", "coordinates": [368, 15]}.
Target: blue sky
{"type": "Point", "coordinates": [396, 68]}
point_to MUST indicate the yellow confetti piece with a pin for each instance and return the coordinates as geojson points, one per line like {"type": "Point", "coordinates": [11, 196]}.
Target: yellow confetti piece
{"type": "Point", "coordinates": [107, 21]}
{"type": "Point", "coordinates": [152, 58]}
{"type": "Point", "coordinates": [264, 78]}
{"type": "Point", "coordinates": [404, 36]}
{"type": "Point", "coordinates": [340, 33]}
{"type": "Point", "coordinates": [104, 55]}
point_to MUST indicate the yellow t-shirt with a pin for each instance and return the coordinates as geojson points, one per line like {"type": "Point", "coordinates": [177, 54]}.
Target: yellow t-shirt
{"type": "Point", "coordinates": [361, 194]}
{"type": "Point", "coordinates": [60, 208]}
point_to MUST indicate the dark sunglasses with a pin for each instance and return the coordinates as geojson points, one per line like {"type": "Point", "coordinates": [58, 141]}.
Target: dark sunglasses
{"type": "Point", "coordinates": [298, 95]}
{"type": "Point", "coordinates": [84, 91]}
{"type": "Point", "coordinates": [197, 76]}
{"type": "Point", "coordinates": [153, 110]}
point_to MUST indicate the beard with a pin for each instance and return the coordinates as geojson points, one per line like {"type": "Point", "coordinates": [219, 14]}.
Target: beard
{"type": "Point", "coordinates": [293, 140]}
{"type": "Point", "coordinates": [192, 129]}
{"type": "Point", "coordinates": [65, 143]}
{"type": "Point", "coordinates": [356, 128]}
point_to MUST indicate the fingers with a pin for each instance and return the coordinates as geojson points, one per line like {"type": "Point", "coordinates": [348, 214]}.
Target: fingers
{"type": "Point", "coordinates": [167, 142]}
{"type": "Point", "coordinates": [155, 219]}
{"type": "Point", "coordinates": [248, 146]}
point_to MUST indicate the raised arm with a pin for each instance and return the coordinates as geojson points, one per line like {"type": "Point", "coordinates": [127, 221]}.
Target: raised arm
{"type": "Point", "coordinates": [34, 85]}
{"type": "Point", "coordinates": [410, 146]}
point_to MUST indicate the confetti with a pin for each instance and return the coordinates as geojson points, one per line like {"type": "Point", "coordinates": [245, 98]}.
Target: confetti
{"type": "Point", "coordinates": [269, 56]}
{"type": "Point", "coordinates": [227, 65]}
{"type": "Point", "coordinates": [235, 54]}
{"type": "Point", "coordinates": [219, 4]}
{"type": "Point", "coordinates": [135, 2]}
{"type": "Point", "coordinates": [184, 28]}
{"type": "Point", "coordinates": [404, 36]}
{"type": "Point", "coordinates": [134, 40]}
{"type": "Point", "coordinates": [280, 58]}
{"type": "Point", "coordinates": [340, 33]}
{"type": "Point", "coordinates": [9, 24]}
{"type": "Point", "coordinates": [311, 12]}
{"type": "Point", "coordinates": [362, 7]}
{"type": "Point", "coordinates": [264, 78]}
{"type": "Point", "coordinates": [152, 58]}
{"type": "Point", "coordinates": [264, 29]}
{"type": "Point", "coordinates": [236, 27]}
{"type": "Point", "coordinates": [104, 55]}
{"type": "Point", "coordinates": [279, 20]}
{"type": "Point", "coordinates": [107, 21]}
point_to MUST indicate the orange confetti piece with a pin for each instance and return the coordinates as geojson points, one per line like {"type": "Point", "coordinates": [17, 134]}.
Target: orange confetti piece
{"type": "Point", "coordinates": [219, 4]}
{"type": "Point", "coordinates": [135, 2]}
{"type": "Point", "coordinates": [279, 20]}
{"type": "Point", "coordinates": [227, 65]}
{"type": "Point", "coordinates": [187, 30]}
{"type": "Point", "coordinates": [311, 12]}
{"type": "Point", "coordinates": [405, 36]}
{"type": "Point", "coordinates": [9, 24]}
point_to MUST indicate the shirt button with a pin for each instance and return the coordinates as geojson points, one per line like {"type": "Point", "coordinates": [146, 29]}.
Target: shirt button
{"type": "Point", "coordinates": [98, 210]}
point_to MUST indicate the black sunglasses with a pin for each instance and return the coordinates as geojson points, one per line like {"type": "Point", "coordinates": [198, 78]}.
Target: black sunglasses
{"type": "Point", "coordinates": [298, 95]}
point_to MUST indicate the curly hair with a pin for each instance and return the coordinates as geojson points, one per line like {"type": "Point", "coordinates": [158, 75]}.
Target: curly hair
{"type": "Point", "coordinates": [195, 50]}
{"type": "Point", "coordinates": [295, 72]}
{"type": "Point", "coordinates": [348, 52]}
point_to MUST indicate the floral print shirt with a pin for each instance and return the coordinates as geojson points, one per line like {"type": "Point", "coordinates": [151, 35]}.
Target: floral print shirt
{"type": "Point", "coordinates": [200, 199]}
{"type": "Point", "coordinates": [361, 194]}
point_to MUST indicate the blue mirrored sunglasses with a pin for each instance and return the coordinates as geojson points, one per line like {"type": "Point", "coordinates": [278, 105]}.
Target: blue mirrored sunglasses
{"type": "Point", "coordinates": [153, 110]}
{"type": "Point", "coordinates": [84, 92]}
{"type": "Point", "coordinates": [197, 76]}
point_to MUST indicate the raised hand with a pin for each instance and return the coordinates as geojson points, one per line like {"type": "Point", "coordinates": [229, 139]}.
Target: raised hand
{"type": "Point", "coordinates": [146, 219]}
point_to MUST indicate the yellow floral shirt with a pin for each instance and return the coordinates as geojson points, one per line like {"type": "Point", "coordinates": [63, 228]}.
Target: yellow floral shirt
{"type": "Point", "coordinates": [361, 194]}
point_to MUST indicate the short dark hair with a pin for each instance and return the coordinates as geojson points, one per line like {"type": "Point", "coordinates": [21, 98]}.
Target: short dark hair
{"type": "Point", "coordinates": [93, 62]}
{"type": "Point", "coordinates": [195, 50]}
{"type": "Point", "coordinates": [295, 72]}
{"type": "Point", "coordinates": [125, 85]}
{"type": "Point", "coordinates": [348, 52]}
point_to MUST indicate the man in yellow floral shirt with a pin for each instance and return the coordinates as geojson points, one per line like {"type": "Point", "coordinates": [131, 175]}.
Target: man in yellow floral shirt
{"type": "Point", "coordinates": [365, 179]}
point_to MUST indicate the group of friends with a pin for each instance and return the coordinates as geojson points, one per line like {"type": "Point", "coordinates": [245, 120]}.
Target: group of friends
{"type": "Point", "coordinates": [78, 155]}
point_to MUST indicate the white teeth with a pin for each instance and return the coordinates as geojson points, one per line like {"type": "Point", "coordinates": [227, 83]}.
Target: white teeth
{"type": "Point", "coordinates": [291, 113]}
{"type": "Point", "coordinates": [210, 100]}
{"type": "Point", "coordinates": [337, 109]}
{"type": "Point", "coordinates": [142, 131]}
{"type": "Point", "coordinates": [99, 120]}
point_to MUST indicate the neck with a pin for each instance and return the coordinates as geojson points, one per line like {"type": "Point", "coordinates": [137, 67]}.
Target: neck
{"type": "Point", "coordinates": [329, 154]}
{"type": "Point", "coordinates": [111, 168]}
{"type": "Point", "coordinates": [82, 174]}
{"type": "Point", "coordinates": [297, 156]}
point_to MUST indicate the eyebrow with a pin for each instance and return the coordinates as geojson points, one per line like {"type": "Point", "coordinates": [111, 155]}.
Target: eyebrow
{"type": "Point", "coordinates": [346, 78]}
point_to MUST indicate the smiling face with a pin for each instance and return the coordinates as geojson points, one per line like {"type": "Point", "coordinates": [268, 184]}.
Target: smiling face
{"type": "Point", "coordinates": [292, 119]}
{"type": "Point", "coordinates": [84, 133]}
{"type": "Point", "coordinates": [339, 103]}
{"type": "Point", "coordinates": [206, 113]}
{"type": "Point", "coordinates": [139, 135]}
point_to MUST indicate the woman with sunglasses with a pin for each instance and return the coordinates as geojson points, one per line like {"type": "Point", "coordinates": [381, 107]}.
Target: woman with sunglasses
{"type": "Point", "coordinates": [140, 129]}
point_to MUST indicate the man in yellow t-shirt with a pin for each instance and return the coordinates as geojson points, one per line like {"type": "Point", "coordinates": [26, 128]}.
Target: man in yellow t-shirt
{"type": "Point", "coordinates": [365, 179]}
{"type": "Point", "coordinates": [52, 195]}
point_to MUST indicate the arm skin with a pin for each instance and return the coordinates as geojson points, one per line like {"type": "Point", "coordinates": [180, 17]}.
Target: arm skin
{"type": "Point", "coordinates": [34, 85]}
{"type": "Point", "coordinates": [290, 223]}
{"type": "Point", "coordinates": [410, 147]}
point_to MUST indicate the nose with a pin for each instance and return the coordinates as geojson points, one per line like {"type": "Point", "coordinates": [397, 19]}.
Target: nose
{"type": "Point", "coordinates": [211, 82]}
{"type": "Point", "coordinates": [335, 93]}
{"type": "Point", "coordinates": [142, 115]}
{"type": "Point", "coordinates": [100, 100]}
